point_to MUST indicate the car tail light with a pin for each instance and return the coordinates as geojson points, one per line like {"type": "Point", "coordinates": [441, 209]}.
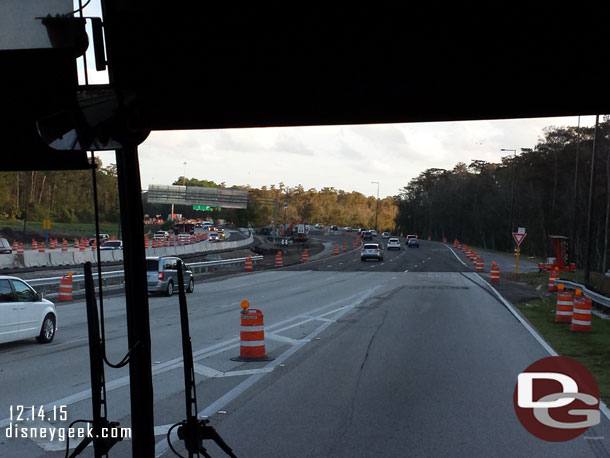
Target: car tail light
{"type": "Point", "coordinates": [162, 276]}
{"type": "Point", "coordinates": [376, 250]}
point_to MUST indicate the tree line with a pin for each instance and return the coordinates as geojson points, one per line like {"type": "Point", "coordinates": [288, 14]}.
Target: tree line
{"type": "Point", "coordinates": [62, 196]}
{"type": "Point", "coordinates": [544, 189]}
{"type": "Point", "coordinates": [288, 204]}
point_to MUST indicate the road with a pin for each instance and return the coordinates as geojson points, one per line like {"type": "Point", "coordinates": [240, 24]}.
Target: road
{"type": "Point", "coordinates": [409, 357]}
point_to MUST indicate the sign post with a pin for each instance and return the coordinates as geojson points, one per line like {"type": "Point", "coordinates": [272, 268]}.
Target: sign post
{"type": "Point", "coordinates": [46, 224]}
{"type": "Point", "coordinates": [518, 238]}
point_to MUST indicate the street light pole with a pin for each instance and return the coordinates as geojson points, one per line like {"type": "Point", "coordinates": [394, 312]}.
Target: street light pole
{"type": "Point", "coordinates": [512, 190]}
{"type": "Point", "coordinates": [184, 176]}
{"type": "Point", "coordinates": [377, 206]}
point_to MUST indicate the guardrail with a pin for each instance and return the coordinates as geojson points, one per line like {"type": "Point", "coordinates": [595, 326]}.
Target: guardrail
{"type": "Point", "coordinates": [78, 281]}
{"type": "Point", "coordinates": [595, 297]}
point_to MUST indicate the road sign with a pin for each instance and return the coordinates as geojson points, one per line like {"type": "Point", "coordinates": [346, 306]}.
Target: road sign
{"type": "Point", "coordinates": [206, 208]}
{"type": "Point", "coordinates": [520, 230]}
{"type": "Point", "coordinates": [518, 237]}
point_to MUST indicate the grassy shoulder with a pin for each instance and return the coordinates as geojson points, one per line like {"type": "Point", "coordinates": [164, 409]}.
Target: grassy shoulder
{"type": "Point", "coordinates": [59, 229]}
{"type": "Point", "coordinates": [591, 349]}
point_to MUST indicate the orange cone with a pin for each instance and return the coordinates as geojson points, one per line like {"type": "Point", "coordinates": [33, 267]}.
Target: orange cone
{"type": "Point", "coordinates": [305, 255]}
{"type": "Point", "coordinates": [249, 266]}
{"type": "Point", "coordinates": [565, 305]}
{"type": "Point", "coordinates": [553, 278]}
{"type": "Point", "coordinates": [65, 288]}
{"type": "Point", "coordinates": [494, 273]}
{"type": "Point", "coordinates": [581, 313]}
{"type": "Point", "coordinates": [252, 335]}
{"type": "Point", "coordinates": [278, 259]}
{"type": "Point", "coordinates": [336, 249]}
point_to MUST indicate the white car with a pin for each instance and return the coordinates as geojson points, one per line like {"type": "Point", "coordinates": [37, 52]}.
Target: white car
{"type": "Point", "coordinates": [112, 245]}
{"type": "Point", "coordinates": [213, 236]}
{"type": "Point", "coordinates": [24, 313]}
{"type": "Point", "coordinates": [393, 243]}
{"type": "Point", "coordinates": [385, 235]}
{"type": "Point", "coordinates": [373, 233]}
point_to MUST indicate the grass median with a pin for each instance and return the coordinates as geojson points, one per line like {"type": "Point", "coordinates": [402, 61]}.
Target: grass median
{"type": "Point", "coordinates": [592, 349]}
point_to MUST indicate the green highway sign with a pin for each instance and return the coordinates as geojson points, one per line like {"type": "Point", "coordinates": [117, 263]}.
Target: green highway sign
{"type": "Point", "coordinates": [206, 208]}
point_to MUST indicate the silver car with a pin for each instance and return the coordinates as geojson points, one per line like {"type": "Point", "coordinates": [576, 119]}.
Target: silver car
{"type": "Point", "coordinates": [372, 251]}
{"type": "Point", "coordinates": [162, 275]}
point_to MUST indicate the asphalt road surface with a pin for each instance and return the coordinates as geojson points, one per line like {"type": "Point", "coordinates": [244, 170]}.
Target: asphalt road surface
{"type": "Point", "coordinates": [409, 357]}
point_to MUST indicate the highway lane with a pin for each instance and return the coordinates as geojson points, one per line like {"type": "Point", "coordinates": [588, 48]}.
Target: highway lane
{"type": "Point", "coordinates": [369, 361]}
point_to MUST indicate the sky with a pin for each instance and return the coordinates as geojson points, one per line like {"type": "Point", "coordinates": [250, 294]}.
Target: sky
{"type": "Point", "coordinates": [344, 157]}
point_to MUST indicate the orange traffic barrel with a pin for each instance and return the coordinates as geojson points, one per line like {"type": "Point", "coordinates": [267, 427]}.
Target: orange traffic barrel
{"type": "Point", "coordinates": [249, 267]}
{"type": "Point", "coordinates": [344, 247]}
{"type": "Point", "coordinates": [278, 259]}
{"type": "Point", "coordinates": [64, 245]}
{"type": "Point", "coordinates": [553, 278]}
{"type": "Point", "coordinates": [34, 244]}
{"type": "Point", "coordinates": [251, 336]}
{"type": "Point", "coordinates": [305, 255]}
{"type": "Point", "coordinates": [565, 305]}
{"type": "Point", "coordinates": [581, 313]}
{"type": "Point", "coordinates": [15, 245]}
{"type": "Point", "coordinates": [494, 272]}
{"type": "Point", "coordinates": [65, 288]}
{"type": "Point", "coordinates": [76, 243]}
{"type": "Point", "coordinates": [20, 250]}
{"type": "Point", "coordinates": [479, 264]}
{"type": "Point", "coordinates": [336, 251]}
{"type": "Point", "coordinates": [41, 247]}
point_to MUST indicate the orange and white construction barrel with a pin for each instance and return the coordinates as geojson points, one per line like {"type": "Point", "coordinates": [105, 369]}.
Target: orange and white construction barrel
{"type": "Point", "coordinates": [65, 288]}
{"type": "Point", "coordinates": [581, 314]}
{"type": "Point", "coordinates": [494, 272]}
{"type": "Point", "coordinates": [249, 265]}
{"type": "Point", "coordinates": [251, 335]}
{"type": "Point", "coordinates": [553, 279]}
{"type": "Point", "coordinates": [278, 259]}
{"type": "Point", "coordinates": [565, 305]}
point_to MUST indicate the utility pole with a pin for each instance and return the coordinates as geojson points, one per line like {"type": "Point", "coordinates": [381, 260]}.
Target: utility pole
{"type": "Point", "coordinates": [377, 206]}
{"type": "Point", "coordinates": [512, 188]}
{"type": "Point", "coordinates": [590, 210]}
{"type": "Point", "coordinates": [572, 249]}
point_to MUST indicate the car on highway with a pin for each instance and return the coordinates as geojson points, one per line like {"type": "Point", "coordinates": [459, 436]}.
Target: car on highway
{"type": "Point", "coordinates": [347, 229]}
{"type": "Point", "coordinates": [409, 237]}
{"type": "Point", "coordinates": [367, 235]}
{"type": "Point", "coordinates": [112, 245]}
{"type": "Point", "coordinates": [334, 228]}
{"type": "Point", "coordinates": [393, 244]}
{"type": "Point", "coordinates": [162, 275]}
{"type": "Point", "coordinates": [373, 232]}
{"type": "Point", "coordinates": [213, 236]}
{"type": "Point", "coordinates": [385, 235]}
{"type": "Point", "coordinates": [102, 238]}
{"type": "Point", "coordinates": [221, 232]}
{"type": "Point", "coordinates": [24, 313]}
{"type": "Point", "coordinates": [319, 225]}
{"type": "Point", "coordinates": [5, 247]}
{"type": "Point", "coordinates": [161, 235]}
{"type": "Point", "coordinates": [371, 251]}
{"type": "Point", "coordinates": [413, 243]}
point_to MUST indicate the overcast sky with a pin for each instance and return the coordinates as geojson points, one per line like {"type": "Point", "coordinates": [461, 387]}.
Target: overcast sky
{"type": "Point", "coordinates": [344, 157]}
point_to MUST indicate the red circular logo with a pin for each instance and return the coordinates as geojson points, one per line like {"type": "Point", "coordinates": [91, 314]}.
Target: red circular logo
{"type": "Point", "coordinates": [557, 399]}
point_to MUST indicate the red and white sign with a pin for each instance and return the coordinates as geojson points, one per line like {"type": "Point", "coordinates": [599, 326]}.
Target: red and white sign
{"type": "Point", "coordinates": [518, 237]}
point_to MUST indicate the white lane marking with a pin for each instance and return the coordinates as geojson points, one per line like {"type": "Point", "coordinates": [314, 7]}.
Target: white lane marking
{"type": "Point", "coordinates": [602, 406]}
{"type": "Point", "coordinates": [394, 278]}
{"type": "Point", "coordinates": [456, 256]}
{"type": "Point", "coordinates": [407, 270]}
{"type": "Point", "coordinates": [317, 318]}
{"type": "Point", "coordinates": [415, 266]}
{"type": "Point", "coordinates": [161, 447]}
{"type": "Point", "coordinates": [213, 373]}
{"type": "Point", "coordinates": [278, 338]}
{"type": "Point", "coordinates": [206, 371]}
{"type": "Point", "coordinates": [429, 259]}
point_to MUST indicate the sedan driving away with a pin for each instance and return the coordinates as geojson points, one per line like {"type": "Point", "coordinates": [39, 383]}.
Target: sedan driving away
{"type": "Point", "coordinates": [371, 251]}
{"type": "Point", "coordinates": [24, 313]}
{"type": "Point", "coordinates": [393, 244]}
{"type": "Point", "coordinates": [413, 243]}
